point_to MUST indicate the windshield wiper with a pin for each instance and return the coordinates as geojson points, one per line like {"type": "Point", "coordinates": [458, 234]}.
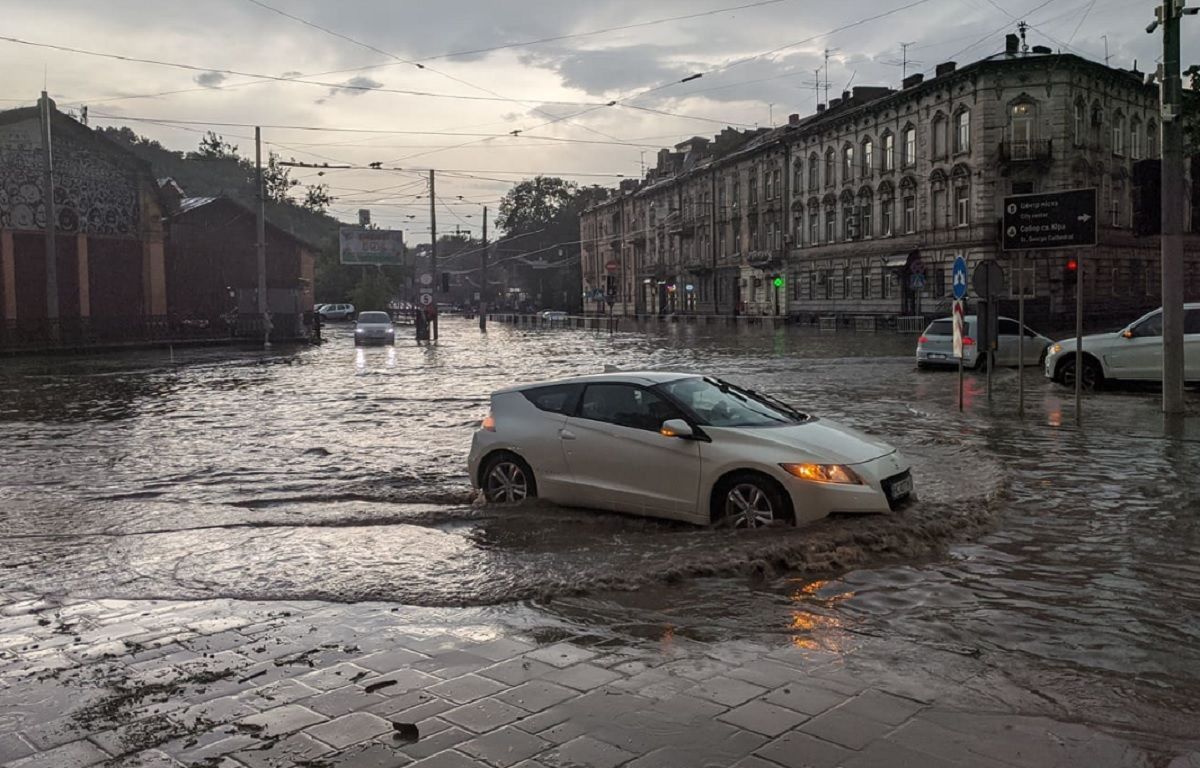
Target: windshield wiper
{"type": "Point", "coordinates": [779, 404]}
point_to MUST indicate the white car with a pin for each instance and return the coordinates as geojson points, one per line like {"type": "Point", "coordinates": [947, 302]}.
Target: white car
{"type": "Point", "coordinates": [554, 315]}
{"type": "Point", "coordinates": [1133, 353]}
{"type": "Point", "coordinates": [337, 311]}
{"type": "Point", "coordinates": [936, 344]}
{"type": "Point", "coordinates": [679, 446]}
{"type": "Point", "coordinates": [374, 328]}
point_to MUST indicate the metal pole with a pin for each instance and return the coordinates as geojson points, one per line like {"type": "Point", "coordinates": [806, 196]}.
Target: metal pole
{"type": "Point", "coordinates": [263, 309]}
{"type": "Point", "coordinates": [960, 384]}
{"type": "Point", "coordinates": [1172, 211]}
{"type": "Point", "coordinates": [1079, 340]}
{"type": "Point", "coordinates": [483, 278]}
{"type": "Point", "coordinates": [433, 250]}
{"type": "Point", "coordinates": [1021, 332]}
{"type": "Point", "coordinates": [51, 217]}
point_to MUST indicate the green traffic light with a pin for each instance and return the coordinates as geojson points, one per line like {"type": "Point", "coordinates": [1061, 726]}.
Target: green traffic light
{"type": "Point", "coordinates": [779, 282]}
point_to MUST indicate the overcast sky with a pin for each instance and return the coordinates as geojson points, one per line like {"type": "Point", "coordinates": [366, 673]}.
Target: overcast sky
{"type": "Point", "coordinates": [759, 63]}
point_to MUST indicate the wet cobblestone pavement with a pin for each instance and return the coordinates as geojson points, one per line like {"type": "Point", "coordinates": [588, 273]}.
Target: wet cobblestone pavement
{"type": "Point", "coordinates": [235, 559]}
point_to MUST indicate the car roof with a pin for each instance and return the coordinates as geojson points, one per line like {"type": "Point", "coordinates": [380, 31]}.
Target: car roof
{"type": "Point", "coordinates": [645, 378]}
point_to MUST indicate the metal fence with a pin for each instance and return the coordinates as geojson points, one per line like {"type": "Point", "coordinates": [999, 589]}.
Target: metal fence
{"type": "Point", "coordinates": [39, 334]}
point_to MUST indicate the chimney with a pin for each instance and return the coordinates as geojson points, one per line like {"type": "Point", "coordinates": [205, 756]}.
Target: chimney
{"type": "Point", "coordinates": [945, 68]}
{"type": "Point", "coordinates": [835, 103]}
{"type": "Point", "coordinates": [845, 95]}
{"type": "Point", "coordinates": [794, 119]}
{"type": "Point", "coordinates": [820, 108]}
{"type": "Point", "coordinates": [912, 80]}
{"type": "Point", "coordinates": [1012, 44]}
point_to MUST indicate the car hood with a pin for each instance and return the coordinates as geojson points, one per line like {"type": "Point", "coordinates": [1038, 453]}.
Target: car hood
{"type": "Point", "coordinates": [817, 440]}
{"type": "Point", "coordinates": [1068, 345]}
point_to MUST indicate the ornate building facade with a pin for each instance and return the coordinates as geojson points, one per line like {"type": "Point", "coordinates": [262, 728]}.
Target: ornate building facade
{"type": "Point", "coordinates": [861, 208]}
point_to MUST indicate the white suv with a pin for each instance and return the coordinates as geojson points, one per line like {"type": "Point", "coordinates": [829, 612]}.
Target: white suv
{"type": "Point", "coordinates": [1133, 353]}
{"type": "Point", "coordinates": [337, 311]}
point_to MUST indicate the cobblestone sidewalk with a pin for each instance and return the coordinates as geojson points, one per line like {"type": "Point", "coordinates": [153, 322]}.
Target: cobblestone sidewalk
{"type": "Point", "coordinates": [227, 684]}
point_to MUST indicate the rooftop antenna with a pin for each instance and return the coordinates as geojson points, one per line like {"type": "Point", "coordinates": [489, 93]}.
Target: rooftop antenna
{"type": "Point", "coordinates": [904, 60]}
{"type": "Point", "coordinates": [771, 114]}
{"type": "Point", "coordinates": [643, 162]}
{"type": "Point", "coordinates": [817, 84]}
{"type": "Point", "coordinates": [828, 51]}
{"type": "Point", "coordinates": [1105, 49]}
{"type": "Point", "coordinates": [1023, 27]}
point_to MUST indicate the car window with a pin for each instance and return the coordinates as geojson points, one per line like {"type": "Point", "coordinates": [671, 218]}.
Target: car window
{"type": "Point", "coordinates": [626, 406]}
{"type": "Point", "coordinates": [1009, 328]}
{"type": "Point", "coordinates": [940, 328]}
{"type": "Point", "coordinates": [1151, 326]}
{"type": "Point", "coordinates": [1191, 321]}
{"type": "Point", "coordinates": [557, 398]}
{"type": "Point", "coordinates": [719, 404]}
{"type": "Point", "coordinates": [374, 317]}
{"type": "Point", "coordinates": [1030, 333]}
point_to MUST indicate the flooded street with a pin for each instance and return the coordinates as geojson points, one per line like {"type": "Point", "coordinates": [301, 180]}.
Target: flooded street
{"type": "Point", "coordinates": [1061, 564]}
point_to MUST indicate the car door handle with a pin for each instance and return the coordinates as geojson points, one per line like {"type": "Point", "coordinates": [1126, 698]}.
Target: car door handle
{"type": "Point", "coordinates": [566, 434]}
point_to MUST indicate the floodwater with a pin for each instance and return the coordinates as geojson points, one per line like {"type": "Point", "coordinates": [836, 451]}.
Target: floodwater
{"type": "Point", "coordinates": [1070, 557]}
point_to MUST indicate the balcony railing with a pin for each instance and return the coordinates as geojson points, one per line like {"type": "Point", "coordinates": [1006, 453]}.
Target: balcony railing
{"type": "Point", "coordinates": [1026, 151]}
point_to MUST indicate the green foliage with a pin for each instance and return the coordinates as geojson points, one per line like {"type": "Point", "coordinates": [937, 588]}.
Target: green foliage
{"type": "Point", "coordinates": [317, 198]}
{"type": "Point", "coordinates": [373, 292]}
{"type": "Point", "coordinates": [212, 147]}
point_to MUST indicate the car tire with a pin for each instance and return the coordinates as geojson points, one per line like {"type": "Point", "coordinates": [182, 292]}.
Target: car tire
{"type": "Point", "coordinates": [748, 500]}
{"type": "Point", "coordinates": [507, 479]}
{"type": "Point", "coordinates": [1093, 377]}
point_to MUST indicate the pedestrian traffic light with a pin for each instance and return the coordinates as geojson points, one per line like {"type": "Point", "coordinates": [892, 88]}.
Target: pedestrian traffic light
{"type": "Point", "coordinates": [778, 281]}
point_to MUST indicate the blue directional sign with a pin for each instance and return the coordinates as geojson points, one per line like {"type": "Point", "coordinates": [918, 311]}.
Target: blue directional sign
{"type": "Point", "coordinates": [960, 277]}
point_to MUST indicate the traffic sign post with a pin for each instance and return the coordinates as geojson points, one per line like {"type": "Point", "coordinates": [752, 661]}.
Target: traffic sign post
{"type": "Point", "coordinates": [1054, 220]}
{"type": "Point", "coordinates": [960, 277]}
{"type": "Point", "coordinates": [988, 281]}
{"type": "Point", "coordinates": [959, 323]}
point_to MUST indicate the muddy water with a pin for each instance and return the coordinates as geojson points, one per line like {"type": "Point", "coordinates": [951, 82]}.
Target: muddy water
{"type": "Point", "coordinates": [336, 473]}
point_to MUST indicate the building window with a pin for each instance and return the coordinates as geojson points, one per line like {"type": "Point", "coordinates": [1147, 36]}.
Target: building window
{"type": "Point", "coordinates": [868, 158]}
{"type": "Point", "coordinates": [1135, 139]}
{"type": "Point", "coordinates": [962, 205]}
{"type": "Point", "coordinates": [797, 176]}
{"type": "Point", "coordinates": [938, 134]}
{"type": "Point", "coordinates": [848, 222]}
{"type": "Point", "coordinates": [814, 168]}
{"type": "Point", "coordinates": [735, 190]}
{"type": "Point", "coordinates": [814, 227]}
{"type": "Point", "coordinates": [865, 204]}
{"type": "Point", "coordinates": [910, 147]}
{"type": "Point", "coordinates": [1118, 135]}
{"type": "Point", "coordinates": [910, 214]}
{"type": "Point", "coordinates": [886, 206]}
{"type": "Point", "coordinates": [830, 168]}
{"type": "Point", "coordinates": [864, 282]}
{"type": "Point", "coordinates": [939, 280]}
{"type": "Point", "coordinates": [1080, 123]}
{"type": "Point", "coordinates": [937, 204]}
{"type": "Point", "coordinates": [1118, 193]}
{"type": "Point", "coordinates": [962, 131]}
{"type": "Point", "coordinates": [754, 233]}
{"type": "Point", "coordinates": [798, 229]}
{"type": "Point", "coordinates": [889, 152]}
{"type": "Point", "coordinates": [830, 223]}
{"type": "Point", "coordinates": [778, 184]}
{"type": "Point", "coordinates": [1152, 140]}
{"type": "Point", "coordinates": [847, 164]}
{"type": "Point", "coordinates": [827, 278]}
{"type": "Point", "coordinates": [847, 283]}
{"type": "Point", "coordinates": [752, 188]}
{"type": "Point", "coordinates": [885, 283]}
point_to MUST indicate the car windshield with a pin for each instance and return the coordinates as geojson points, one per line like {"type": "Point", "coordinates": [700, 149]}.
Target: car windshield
{"type": "Point", "coordinates": [719, 404]}
{"type": "Point", "coordinates": [374, 317]}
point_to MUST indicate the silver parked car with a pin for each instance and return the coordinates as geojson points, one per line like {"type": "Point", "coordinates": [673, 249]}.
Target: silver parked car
{"type": "Point", "coordinates": [337, 311]}
{"type": "Point", "coordinates": [936, 345]}
{"type": "Point", "coordinates": [374, 328]}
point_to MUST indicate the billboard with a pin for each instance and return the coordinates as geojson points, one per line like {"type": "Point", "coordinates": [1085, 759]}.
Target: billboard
{"type": "Point", "coordinates": [383, 247]}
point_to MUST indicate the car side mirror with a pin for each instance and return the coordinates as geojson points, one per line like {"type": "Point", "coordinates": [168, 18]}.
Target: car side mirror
{"type": "Point", "coordinates": [1127, 333]}
{"type": "Point", "coordinates": [677, 428]}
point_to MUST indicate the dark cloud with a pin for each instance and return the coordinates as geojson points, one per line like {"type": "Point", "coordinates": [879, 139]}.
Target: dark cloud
{"type": "Point", "coordinates": [210, 79]}
{"type": "Point", "coordinates": [356, 86]}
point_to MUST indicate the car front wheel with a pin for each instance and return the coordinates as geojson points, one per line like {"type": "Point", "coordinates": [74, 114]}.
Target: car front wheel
{"type": "Point", "coordinates": [748, 500]}
{"type": "Point", "coordinates": [1092, 375]}
{"type": "Point", "coordinates": [507, 479]}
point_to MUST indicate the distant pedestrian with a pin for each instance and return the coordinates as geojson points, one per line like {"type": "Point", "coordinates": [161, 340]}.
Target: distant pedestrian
{"type": "Point", "coordinates": [422, 326]}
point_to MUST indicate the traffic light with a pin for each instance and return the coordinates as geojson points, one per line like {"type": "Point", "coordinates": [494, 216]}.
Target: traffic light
{"type": "Point", "coordinates": [1072, 266]}
{"type": "Point", "coordinates": [1147, 198]}
{"type": "Point", "coordinates": [778, 281]}
{"type": "Point", "coordinates": [445, 282]}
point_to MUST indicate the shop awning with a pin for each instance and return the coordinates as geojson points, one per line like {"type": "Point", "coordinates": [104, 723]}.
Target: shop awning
{"type": "Point", "coordinates": [896, 260]}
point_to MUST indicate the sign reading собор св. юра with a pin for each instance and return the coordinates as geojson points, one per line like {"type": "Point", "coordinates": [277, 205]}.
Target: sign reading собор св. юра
{"type": "Point", "coordinates": [382, 247]}
{"type": "Point", "coordinates": [1050, 220]}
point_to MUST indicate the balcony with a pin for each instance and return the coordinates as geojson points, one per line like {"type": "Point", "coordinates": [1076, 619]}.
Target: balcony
{"type": "Point", "coordinates": [1039, 151]}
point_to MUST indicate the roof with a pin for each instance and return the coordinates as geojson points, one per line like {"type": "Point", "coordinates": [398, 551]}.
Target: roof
{"type": "Point", "coordinates": [647, 378]}
{"type": "Point", "coordinates": [190, 205]}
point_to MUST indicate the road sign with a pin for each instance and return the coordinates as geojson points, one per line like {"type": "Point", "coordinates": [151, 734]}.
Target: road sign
{"type": "Point", "coordinates": [426, 299]}
{"type": "Point", "coordinates": [613, 266]}
{"type": "Point", "coordinates": [960, 277]}
{"type": "Point", "coordinates": [426, 278]}
{"type": "Point", "coordinates": [988, 279]}
{"type": "Point", "coordinates": [916, 282]}
{"type": "Point", "coordinates": [959, 326]}
{"type": "Point", "coordinates": [1050, 220]}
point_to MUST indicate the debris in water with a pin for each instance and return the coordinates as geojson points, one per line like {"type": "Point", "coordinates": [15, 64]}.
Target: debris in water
{"type": "Point", "coordinates": [379, 686]}
{"type": "Point", "coordinates": [248, 678]}
{"type": "Point", "coordinates": [407, 732]}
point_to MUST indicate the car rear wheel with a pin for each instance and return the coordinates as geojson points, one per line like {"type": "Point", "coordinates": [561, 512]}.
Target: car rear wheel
{"type": "Point", "coordinates": [1092, 375]}
{"type": "Point", "coordinates": [507, 479]}
{"type": "Point", "coordinates": [748, 500]}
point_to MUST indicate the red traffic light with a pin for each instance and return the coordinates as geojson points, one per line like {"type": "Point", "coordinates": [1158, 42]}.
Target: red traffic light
{"type": "Point", "coordinates": [1072, 265]}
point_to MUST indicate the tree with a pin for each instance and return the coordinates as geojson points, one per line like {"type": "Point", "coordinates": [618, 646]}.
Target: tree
{"type": "Point", "coordinates": [277, 179]}
{"type": "Point", "coordinates": [317, 198]}
{"type": "Point", "coordinates": [214, 147]}
{"type": "Point", "coordinates": [373, 292]}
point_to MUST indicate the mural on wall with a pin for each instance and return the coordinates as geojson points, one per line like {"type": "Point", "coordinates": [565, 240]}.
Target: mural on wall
{"type": "Point", "coordinates": [93, 193]}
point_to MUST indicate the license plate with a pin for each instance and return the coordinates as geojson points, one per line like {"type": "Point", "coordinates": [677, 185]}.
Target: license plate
{"type": "Point", "coordinates": [902, 488]}
{"type": "Point", "coordinates": [936, 356]}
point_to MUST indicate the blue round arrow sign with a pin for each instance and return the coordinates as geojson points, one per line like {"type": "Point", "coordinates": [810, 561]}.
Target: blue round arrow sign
{"type": "Point", "coordinates": [960, 278]}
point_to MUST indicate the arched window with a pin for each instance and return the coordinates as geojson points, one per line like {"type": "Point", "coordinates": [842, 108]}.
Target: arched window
{"type": "Point", "coordinates": [814, 170]}
{"type": "Point", "coordinates": [849, 220]}
{"type": "Point", "coordinates": [830, 167]}
{"type": "Point", "coordinates": [962, 130]}
{"type": "Point", "coordinates": [961, 180]}
{"type": "Point", "coordinates": [830, 205]}
{"type": "Point", "coordinates": [797, 176]}
{"type": "Point", "coordinates": [938, 136]}
{"type": "Point", "coordinates": [866, 205]}
{"type": "Point", "coordinates": [1118, 134]}
{"type": "Point", "coordinates": [887, 207]}
{"type": "Point", "coordinates": [847, 163]}
{"type": "Point", "coordinates": [937, 199]}
{"type": "Point", "coordinates": [1097, 116]}
{"type": "Point", "coordinates": [908, 205]}
{"type": "Point", "coordinates": [814, 221]}
{"type": "Point", "coordinates": [1022, 127]}
{"type": "Point", "coordinates": [889, 152]}
{"type": "Point", "coordinates": [868, 157]}
{"type": "Point", "coordinates": [909, 158]}
{"type": "Point", "coordinates": [1152, 140]}
{"type": "Point", "coordinates": [1080, 124]}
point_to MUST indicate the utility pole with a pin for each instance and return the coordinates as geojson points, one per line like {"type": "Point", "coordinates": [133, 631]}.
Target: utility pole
{"type": "Point", "coordinates": [1169, 15]}
{"type": "Point", "coordinates": [51, 216]}
{"type": "Point", "coordinates": [483, 277]}
{"type": "Point", "coordinates": [433, 248]}
{"type": "Point", "coordinates": [263, 308]}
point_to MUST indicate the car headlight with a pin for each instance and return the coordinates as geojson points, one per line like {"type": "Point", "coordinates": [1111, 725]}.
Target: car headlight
{"type": "Point", "coordinates": [358, 330]}
{"type": "Point", "coordinates": [1056, 349]}
{"type": "Point", "coordinates": [823, 473]}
